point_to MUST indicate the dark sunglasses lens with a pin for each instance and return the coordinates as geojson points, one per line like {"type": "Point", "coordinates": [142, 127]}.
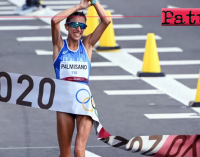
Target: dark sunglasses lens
{"type": "Point", "coordinates": [76, 25]}
{"type": "Point", "coordinates": [72, 24]}
{"type": "Point", "coordinates": [82, 25]}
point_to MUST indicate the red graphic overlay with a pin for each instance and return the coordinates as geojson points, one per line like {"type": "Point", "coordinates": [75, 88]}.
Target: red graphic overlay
{"type": "Point", "coordinates": [180, 17]}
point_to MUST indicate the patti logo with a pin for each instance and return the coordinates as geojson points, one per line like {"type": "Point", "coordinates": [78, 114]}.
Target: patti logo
{"type": "Point", "coordinates": [82, 99]}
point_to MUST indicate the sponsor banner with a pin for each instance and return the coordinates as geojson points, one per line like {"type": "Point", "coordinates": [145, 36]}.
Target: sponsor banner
{"type": "Point", "coordinates": [180, 17]}
{"type": "Point", "coordinates": [76, 98]}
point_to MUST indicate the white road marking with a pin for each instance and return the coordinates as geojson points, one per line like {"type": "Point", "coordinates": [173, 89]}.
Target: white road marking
{"type": "Point", "coordinates": [173, 116]}
{"type": "Point", "coordinates": [5, 28]}
{"type": "Point", "coordinates": [43, 52]}
{"type": "Point", "coordinates": [126, 26]}
{"type": "Point", "coordinates": [194, 91]}
{"type": "Point", "coordinates": [6, 13]}
{"type": "Point", "coordinates": [25, 39]}
{"type": "Point", "coordinates": [170, 6]}
{"type": "Point", "coordinates": [133, 92]}
{"type": "Point", "coordinates": [49, 38]}
{"type": "Point", "coordinates": [183, 76]}
{"type": "Point", "coordinates": [168, 85]}
{"type": "Point", "coordinates": [117, 77]}
{"type": "Point", "coordinates": [90, 154]}
{"type": "Point", "coordinates": [135, 37]}
{"type": "Point", "coordinates": [159, 49]}
{"type": "Point", "coordinates": [7, 8]}
{"type": "Point", "coordinates": [13, 19]}
{"type": "Point", "coordinates": [4, 3]}
{"type": "Point", "coordinates": [68, 6]}
{"type": "Point", "coordinates": [180, 62]}
{"type": "Point", "coordinates": [117, 16]}
{"type": "Point", "coordinates": [102, 64]}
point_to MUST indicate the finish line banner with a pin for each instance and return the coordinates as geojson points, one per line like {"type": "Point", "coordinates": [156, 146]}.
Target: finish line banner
{"type": "Point", "coordinates": [76, 98]}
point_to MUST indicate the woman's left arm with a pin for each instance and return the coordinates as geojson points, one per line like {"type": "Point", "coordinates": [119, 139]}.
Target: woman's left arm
{"type": "Point", "coordinates": [93, 38]}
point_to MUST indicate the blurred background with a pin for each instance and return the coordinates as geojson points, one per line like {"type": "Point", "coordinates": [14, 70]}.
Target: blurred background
{"type": "Point", "coordinates": [128, 106]}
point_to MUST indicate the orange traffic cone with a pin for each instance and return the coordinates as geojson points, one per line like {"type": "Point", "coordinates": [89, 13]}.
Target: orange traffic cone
{"type": "Point", "coordinates": [151, 66]}
{"type": "Point", "coordinates": [197, 100]}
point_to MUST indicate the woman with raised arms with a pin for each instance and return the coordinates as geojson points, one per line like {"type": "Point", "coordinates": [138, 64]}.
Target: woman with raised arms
{"type": "Point", "coordinates": [68, 55]}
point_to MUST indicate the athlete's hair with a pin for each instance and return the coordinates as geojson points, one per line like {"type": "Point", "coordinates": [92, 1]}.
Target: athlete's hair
{"type": "Point", "coordinates": [76, 14]}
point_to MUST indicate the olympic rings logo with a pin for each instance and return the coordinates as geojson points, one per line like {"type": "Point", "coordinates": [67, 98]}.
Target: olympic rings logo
{"type": "Point", "coordinates": [86, 100]}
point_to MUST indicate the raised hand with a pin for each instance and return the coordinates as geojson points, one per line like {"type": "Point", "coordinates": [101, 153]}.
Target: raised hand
{"type": "Point", "coordinates": [84, 4]}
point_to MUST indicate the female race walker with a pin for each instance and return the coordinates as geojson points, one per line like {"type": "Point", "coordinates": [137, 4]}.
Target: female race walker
{"type": "Point", "coordinates": [75, 52]}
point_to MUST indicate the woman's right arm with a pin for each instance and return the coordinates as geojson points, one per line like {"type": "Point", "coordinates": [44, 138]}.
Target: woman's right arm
{"type": "Point", "coordinates": [55, 28]}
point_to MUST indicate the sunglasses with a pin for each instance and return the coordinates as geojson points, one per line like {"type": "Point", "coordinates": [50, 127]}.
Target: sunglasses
{"type": "Point", "coordinates": [77, 24]}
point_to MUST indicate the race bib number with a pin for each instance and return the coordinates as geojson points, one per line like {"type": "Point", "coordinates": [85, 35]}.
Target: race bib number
{"type": "Point", "coordinates": [73, 69]}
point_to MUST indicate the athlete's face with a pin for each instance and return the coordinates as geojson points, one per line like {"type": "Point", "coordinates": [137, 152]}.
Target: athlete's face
{"type": "Point", "coordinates": [75, 33]}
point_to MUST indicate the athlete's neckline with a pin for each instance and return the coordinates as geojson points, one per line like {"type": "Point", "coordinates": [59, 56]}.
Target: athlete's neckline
{"type": "Point", "coordinates": [69, 48]}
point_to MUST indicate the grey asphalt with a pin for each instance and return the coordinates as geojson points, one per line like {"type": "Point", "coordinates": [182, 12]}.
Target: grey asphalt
{"type": "Point", "coordinates": [120, 115]}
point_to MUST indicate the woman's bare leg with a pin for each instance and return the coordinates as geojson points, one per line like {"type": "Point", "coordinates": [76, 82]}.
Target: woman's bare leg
{"type": "Point", "coordinates": [65, 129]}
{"type": "Point", "coordinates": [84, 126]}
